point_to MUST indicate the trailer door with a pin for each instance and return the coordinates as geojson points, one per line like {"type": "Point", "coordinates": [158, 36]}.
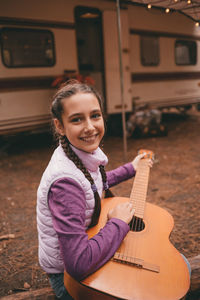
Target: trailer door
{"type": "Point", "coordinates": [88, 22]}
{"type": "Point", "coordinates": [112, 63]}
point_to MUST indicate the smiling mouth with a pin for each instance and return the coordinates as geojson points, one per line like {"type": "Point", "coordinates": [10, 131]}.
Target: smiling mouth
{"type": "Point", "coordinates": [89, 139]}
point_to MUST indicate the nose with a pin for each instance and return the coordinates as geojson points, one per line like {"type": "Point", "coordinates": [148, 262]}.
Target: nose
{"type": "Point", "coordinates": [89, 125]}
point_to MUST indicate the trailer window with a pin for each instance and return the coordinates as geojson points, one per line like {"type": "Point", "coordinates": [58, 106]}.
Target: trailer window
{"type": "Point", "coordinates": [149, 51]}
{"type": "Point", "coordinates": [27, 48]}
{"type": "Point", "coordinates": [185, 52]}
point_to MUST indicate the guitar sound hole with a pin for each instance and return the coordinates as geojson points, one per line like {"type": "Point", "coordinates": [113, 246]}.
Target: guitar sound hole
{"type": "Point", "coordinates": [137, 224]}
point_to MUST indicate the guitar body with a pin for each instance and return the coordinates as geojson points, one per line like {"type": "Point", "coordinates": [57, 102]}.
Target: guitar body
{"type": "Point", "coordinates": [166, 276]}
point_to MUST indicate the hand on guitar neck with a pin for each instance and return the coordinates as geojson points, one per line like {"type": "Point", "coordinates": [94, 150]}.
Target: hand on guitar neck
{"type": "Point", "coordinates": [143, 154]}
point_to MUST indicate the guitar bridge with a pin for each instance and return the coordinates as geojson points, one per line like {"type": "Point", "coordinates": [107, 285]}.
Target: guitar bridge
{"type": "Point", "coordinates": [137, 262]}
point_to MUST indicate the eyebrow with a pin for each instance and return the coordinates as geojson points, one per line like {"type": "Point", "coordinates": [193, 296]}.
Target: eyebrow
{"type": "Point", "coordinates": [80, 114]}
{"type": "Point", "coordinates": [74, 115]}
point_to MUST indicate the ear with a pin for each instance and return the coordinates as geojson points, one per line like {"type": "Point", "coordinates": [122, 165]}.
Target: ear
{"type": "Point", "coordinates": [59, 127]}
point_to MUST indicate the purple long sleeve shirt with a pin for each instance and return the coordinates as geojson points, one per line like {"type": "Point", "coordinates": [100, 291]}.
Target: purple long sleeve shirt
{"type": "Point", "coordinates": [67, 204]}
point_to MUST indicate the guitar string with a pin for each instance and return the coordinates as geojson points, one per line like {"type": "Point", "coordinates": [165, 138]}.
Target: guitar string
{"type": "Point", "coordinates": [142, 179]}
{"type": "Point", "coordinates": [137, 200]}
{"type": "Point", "coordinates": [127, 243]}
{"type": "Point", "coordinates": [137, 223]}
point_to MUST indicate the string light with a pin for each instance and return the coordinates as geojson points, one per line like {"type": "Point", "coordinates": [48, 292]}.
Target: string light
{"type": "Point", "coordinates": [167, 10]}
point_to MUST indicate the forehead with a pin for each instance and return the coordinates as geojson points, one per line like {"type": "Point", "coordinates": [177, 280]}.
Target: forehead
{"type": "Point", "coordinates": [81, 103]}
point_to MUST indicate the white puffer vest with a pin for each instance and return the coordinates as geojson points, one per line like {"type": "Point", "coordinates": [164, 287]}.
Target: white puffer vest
{"type": "Point", "coordinates": [59, 167]}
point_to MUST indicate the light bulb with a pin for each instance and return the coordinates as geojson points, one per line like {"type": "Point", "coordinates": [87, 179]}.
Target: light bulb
{"type": "Point", "coordinates": [149, 6]}
{"type": "Point", "coordinates": [167, 10]}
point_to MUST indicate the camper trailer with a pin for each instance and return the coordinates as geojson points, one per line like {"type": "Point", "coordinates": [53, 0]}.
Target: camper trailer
{"type": "Point", "coordinates": [154, 56]}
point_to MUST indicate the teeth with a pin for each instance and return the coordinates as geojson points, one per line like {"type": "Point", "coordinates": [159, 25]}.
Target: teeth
{"type": "Point", "coordinates": [89, 139]}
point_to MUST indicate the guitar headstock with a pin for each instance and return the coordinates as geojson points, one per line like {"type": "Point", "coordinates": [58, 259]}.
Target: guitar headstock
{"type": "Point", "coordinates": [149, 154]}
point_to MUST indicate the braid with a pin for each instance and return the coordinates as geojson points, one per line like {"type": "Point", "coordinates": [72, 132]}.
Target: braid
{"type": "Point", "coordinates": [72, 156]}
{"type": "Point", "coordinates": [77, 161]}
{"type": "Point", "coordinates": [108, 192]}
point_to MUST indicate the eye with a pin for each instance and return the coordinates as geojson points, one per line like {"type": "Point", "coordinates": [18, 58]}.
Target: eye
{"type": "Point", "coordinates": [76, 120]}
{"type": "Point", "coordinates": [96, 115]}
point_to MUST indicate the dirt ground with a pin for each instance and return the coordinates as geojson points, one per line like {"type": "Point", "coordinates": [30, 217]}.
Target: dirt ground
{"type": "Point", "coordinates": [174, 185]}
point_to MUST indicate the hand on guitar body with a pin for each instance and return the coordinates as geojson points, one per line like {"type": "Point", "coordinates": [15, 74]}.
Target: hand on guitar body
{"type": "Point", "coordinates": [122, 211]}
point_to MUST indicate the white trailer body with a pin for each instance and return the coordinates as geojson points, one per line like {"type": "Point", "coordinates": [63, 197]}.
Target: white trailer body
{"type": "Point", "coordinates": [41, 40]}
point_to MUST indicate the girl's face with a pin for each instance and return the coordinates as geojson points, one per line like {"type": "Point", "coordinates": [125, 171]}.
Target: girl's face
{"type": "Point", "coordinates": [83, 122]}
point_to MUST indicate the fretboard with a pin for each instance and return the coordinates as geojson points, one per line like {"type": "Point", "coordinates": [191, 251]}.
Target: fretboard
{"type": "Point", "coordinates": [139, 189]}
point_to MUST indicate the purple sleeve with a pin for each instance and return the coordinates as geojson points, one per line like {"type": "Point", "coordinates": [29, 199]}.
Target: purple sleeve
{"type": "Point", "coordinates": [120, 174]}
{"type": "Point", "coordinates": [81, 256]}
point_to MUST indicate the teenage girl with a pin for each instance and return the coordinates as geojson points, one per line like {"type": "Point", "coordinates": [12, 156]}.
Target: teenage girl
{"type": "Point", "coordinates": [68, 199]}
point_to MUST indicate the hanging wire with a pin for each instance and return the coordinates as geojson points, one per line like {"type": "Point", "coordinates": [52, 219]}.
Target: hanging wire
{"type": "Point", "coordinates": [189, 8]}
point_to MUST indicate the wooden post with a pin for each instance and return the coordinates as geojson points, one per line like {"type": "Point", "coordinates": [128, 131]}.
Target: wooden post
{"type": "Point", "coordinates": [121, 81]}
{"type": "Point", "coordinates": [40, 294]}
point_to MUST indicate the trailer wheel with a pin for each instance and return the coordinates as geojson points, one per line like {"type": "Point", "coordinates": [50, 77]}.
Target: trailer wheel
{"type": "Point", "coordinates": [184, 109]}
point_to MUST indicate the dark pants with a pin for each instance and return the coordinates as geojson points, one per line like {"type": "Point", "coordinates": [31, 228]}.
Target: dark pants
{"type": "Point", "coordinates": [57, 284]}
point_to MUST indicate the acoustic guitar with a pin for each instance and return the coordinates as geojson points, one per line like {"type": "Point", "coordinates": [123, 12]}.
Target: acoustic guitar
{"type": "Point", "coordinates": [146, 266]}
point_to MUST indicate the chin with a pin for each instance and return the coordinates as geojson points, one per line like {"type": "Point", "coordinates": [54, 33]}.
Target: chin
{"type": "Point", "coordinates": [90, 149]}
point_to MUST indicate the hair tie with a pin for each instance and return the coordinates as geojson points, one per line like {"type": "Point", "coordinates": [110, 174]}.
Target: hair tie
{"type": "Point", "coordinates": [94, 188]}
{"type": "Point", "coordinates": [105, 186]}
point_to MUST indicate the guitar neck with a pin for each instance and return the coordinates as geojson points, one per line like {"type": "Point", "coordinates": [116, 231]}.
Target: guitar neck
{"type": "Point", "coordinates": [139, 189]}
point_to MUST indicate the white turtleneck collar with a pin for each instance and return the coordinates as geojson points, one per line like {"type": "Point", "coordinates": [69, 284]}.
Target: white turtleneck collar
{"type": "Point", "coordinates": [91, 160]}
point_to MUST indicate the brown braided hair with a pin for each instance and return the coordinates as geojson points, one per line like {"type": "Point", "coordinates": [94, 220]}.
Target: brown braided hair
{"type": "Point", "coordinates": [108, 192]}
{"type": "Point", "coordinates": [67, 90]}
